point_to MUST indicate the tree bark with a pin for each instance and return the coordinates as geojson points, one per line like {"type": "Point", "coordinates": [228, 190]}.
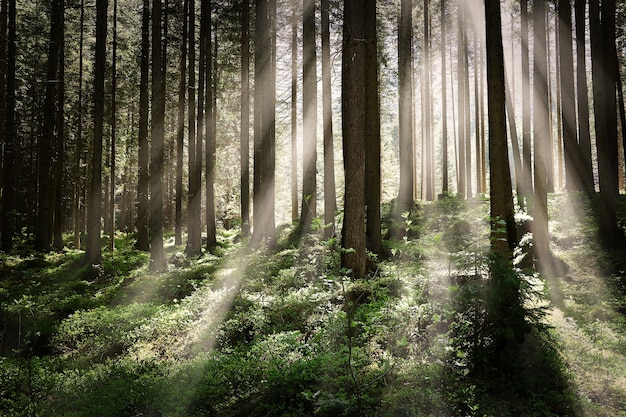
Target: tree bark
{"type": "Point", "coordinates": [309, 124]}
{"type": "Point", "coordinates": [180, 132]}
{"type": "Point", "coordinates": [353, 255]}
{"type": "Point", "coordinates": [294, 112]}
{"type": "Point", "coordinates": [405, 85]}
{"type": "Point", "coordinates": [245, 119]}
{"type": "Point", "coordinates": [59, 184]}
{"type": "Point", "coordinates": [426, 107]}
{"type": "Point", "coordinates": [78, 171]}
{"type": "Point", "coordinates": [444, 103]}
{"type": "Point", "coordinates": [211, 83]}
{"type": "Point", "coordinates": [330, 195]}
{"type": "Point", "coordinates": [111, 213]}
{"type": "Point", "coordinates": [157, 255]}
{"type": "Point", "coordinates": [94, 251]}
{"type": "Point", "coordinates": [143, 183]}
{"type": "Point", "coordinates": [461, 178]}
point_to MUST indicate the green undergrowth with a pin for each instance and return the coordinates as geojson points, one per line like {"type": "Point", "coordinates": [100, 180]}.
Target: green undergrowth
{"type": "Point", "coordinates": [438, 328]}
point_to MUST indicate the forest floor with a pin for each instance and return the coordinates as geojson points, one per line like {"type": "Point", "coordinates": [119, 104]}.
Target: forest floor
{"type": "Point", "coordinates": [251, 332]}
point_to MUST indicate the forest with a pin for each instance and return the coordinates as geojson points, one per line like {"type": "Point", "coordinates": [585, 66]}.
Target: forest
{"type": "Point", "coordinates": [312, 208]}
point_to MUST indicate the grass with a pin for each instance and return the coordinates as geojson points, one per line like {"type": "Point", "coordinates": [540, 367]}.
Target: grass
{"type": "Point", "coordinates": [248, 331]}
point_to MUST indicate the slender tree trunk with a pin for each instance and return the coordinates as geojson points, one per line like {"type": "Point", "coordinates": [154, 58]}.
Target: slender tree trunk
{"type": "Point", "coordinates": [309, 109]}
{"type": "Point", "coordinates": [549, 159]}
{"type": "Point", "coordinates": [330, 195]}
{"type": "Point", "coordinates": [78, 171]}
{"type": "Point", "coordinates": [9, 185]}
{"type": "Point", "coordinates": [466, 98]}
{"type": "Point", "coordinates": [461, 178]}
{"type": "Point", "coordinates": [426, 107]}
{"type": "Point", "coordinates": [4, 4]}
{"type": "Point", "coordinates": [541, 129]}
{"type": "Point", "coordinates": [405, 86]}
{"type": "Point", "coordinates": [94, 250]}
{"type": "Point", "coordinates": [157, 255]}
{"type": "Point", "coordinates": [527, 182]}
{"type": "Point", "coordinates": [584, 135]}
{"type": "Point", "coordinates": [483, 145]}
{"type": "Point", "coordinates": [59, 188]}
{"type": "Point", "coordinates": [444, 103]}
{"type": "Point", "coordinates": [143, 183]}
{"type": "Point", "coordinates": [559, 107]}
{"type": "Point", "coordinates": [517, 160]}
{"type": "Point", "coordinates": [111, 213]}
{"type": "Point", "coordinates": [180, 133]}
{"type": "Point", "coordinates": [477, 93]}
{"type": "Point", "coordinates": [245, 119]}
{"type": "Point", "coordinates": [194, 239]}
{"type": "Point", "coordinates": [294, 112]}
{"type": "Point", "coordinates": [353, 256]}
{"type": "Point", "coordinates": [211, 82]}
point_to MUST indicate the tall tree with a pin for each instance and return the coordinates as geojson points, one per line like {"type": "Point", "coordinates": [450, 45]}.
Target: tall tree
{"type": "Point", "coordinates": [78, 171]}
{"type": "Point", "coordinates": [330, 196]}
{"type": "Point", "coordinates": [111, 213]}
{"type": "Point", "coordinates": [527, 184]}
{"type": "Point", "coordinates": [180, 132]}
{"type": "Point", "coordinates": [94, 251]}
{"type": "Point", "coordinates": [584, 135]}
{"type": "Point", "coordinates": [245, 118]}
{"type": "Point", "coordinates": [143, 183]}
{"type": "Point", "coordinates": [502, 242]}
{"type": "Point", "coordinates": [426, 107]}
{"type": "Point", "coordinates": [461, 67]}
{"type": "Point", "coordinates": [309, 109]}
{"type": "Point", "coordinates": [210, 94]}
{"type": "Point", "coordinates": [4, 4]}
{"type": "Point", "coordinates": [157, 255]}
{"type": "Point", "coordinates": [604, 69]}
{"type": "Point", "coordinates": [373, 235]}
{"type": "Point", "coordinates": [541, 136]}
{"type": "Point", "coordinates": [9, 185]}
{"type": "Point", "coordinates": [46, 157]}
{"type": "Point", "coordinates": [353, 256]}
{"type": "Point", "coordinates": [294, 111]}
{"type": "Point", "coordinates": [194, 237]}
{"type": "Point", "coordinates": [444, 103]}
{"type": "Point", "coordinates": [59, 151]}
{"type": "Point", "coordinates": [264, 122]}
{"type": "Point", "coordinates": [405, 115]}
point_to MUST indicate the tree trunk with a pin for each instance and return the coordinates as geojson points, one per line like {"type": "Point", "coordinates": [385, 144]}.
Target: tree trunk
{"type": "Point", "coordinates": [111, 213]}
{"type": "Point", "coordinates": [180, 133]}
{"type": "Point", "coordinates": [373, 191]}
{"type": "Point", "coordinates": [157, 255]}
{"type": "Point", "coordinates": [78, 171]}
{"type": "Point", "coordinates": [309, 109]}
{"type": "Point", "coordinates": [194, 239]}
{"type": "Point", "coordinates": [353, 255]}
{"type": "Point", "coordinates": [405, 85]}
{"type": "Point", "coordinates": [444, 103]}
{"type": "Point", "coordinates": [502, 242]}
{"type": "Point", "coordinates": [245, 119]}
{"type": "Point", "coordinates": [143, 183]}
{"type": "Point", "coordinates": [294, 112]}
{"type": "Point", "coordinates": [9, 185]}
{"type": "Point", "coordinates": [94, 251]}
{"type": "Point", "coordinates": [461, 179]}
{"type": "Point", "coordinates": [426, 107]}
{"type": "Point", "coordinates": [584, 135]}
{"type": "Point", "coordinates": [264, 122]}
{"type": "Point", "coordinates": [604, 83]}
{"type": "Point", "coordinates": [211, 82]}
{"type": "Point", "coordinates": [4, 4]}
{"type": "Point", "coordinates": [46, 157]}
{"type": "Point", "coordinates": [541, 129]}
{"type": "Point", "coordinates": [330, 195]}
{"type": "Point", "coordinates": [527, 182]}
{"type": "Point", "coordinates": [59, 184]}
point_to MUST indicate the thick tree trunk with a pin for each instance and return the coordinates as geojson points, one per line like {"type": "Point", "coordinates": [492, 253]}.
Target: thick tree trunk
{"type": "Point", "coordinates": [502, 242]}
{"type": "Point", "coordinates": [373, 190]}
{"type": "Point", "coordinates": [353, 256]}
{"type": "Point", "coordinates": [111, 212]}
{"type": "Point", "coordinates": [294, 112]}
{"type": "Point", "coordinates": [211, 82]}
{"type": "Point", "coordinates": [194, 239]}
{"type": "Point", "coordinates": [444, 103]}
{"type": "Point", "coordinates": [527, 181]}
{"type": "Point", "coordinates": [426, 108]}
